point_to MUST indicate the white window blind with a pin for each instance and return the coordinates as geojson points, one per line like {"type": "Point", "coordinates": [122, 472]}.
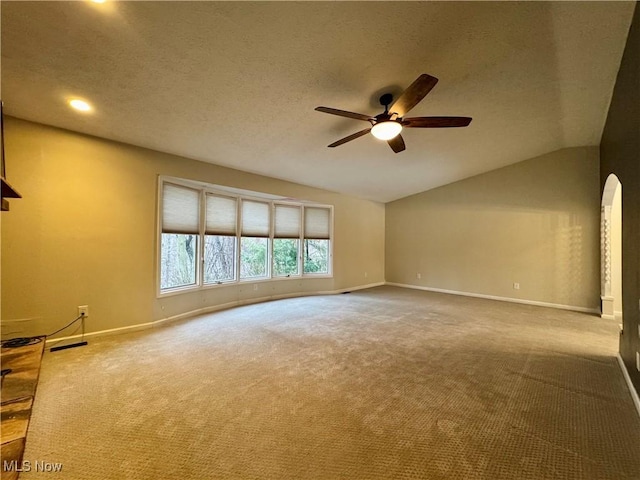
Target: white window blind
{"type": "Point", "coordinates": [180, 209]}
{"type": "Point", "coordinates": [317, 223]}
{"type": "Point", "coordinates": [287, 221]}
{"type": "Point", "coordinates": [255, 219]}
{"type": "Point", "coordinates": [221, 215]}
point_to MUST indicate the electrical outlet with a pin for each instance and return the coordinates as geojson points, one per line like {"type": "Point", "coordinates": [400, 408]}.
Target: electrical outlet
{"type": "Point", "coordinates": [418, 276]}
{"type": "Point", "coordinates": [516, 286]}
{"type": "Point", "coordinates": [83, 310]}
{"type": "Point", "coordinates": [255, 287]}
{"type": "Point", "coordinates": [366, 274]}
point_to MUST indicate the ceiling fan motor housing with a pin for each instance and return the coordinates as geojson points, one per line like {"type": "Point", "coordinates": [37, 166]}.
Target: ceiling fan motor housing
{"type": "Point", "coordinates": [385, 100]}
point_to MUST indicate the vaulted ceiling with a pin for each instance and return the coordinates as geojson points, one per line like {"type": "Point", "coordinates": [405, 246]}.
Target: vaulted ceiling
{"type": "Point", "coordinates": [236, 83]}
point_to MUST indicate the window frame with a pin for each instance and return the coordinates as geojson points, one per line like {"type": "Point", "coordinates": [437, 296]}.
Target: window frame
{"type": "Point", "coordinates": [274, 206]}
{"type": "Point", "coordinates": [159, 222]}
{"type": "Point", "coordinates": [240, 196]}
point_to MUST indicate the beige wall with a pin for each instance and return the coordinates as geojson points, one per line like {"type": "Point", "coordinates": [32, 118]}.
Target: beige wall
{"type": "Point", "coordinates": [535, 223]}
{"type": "Point", "coordinates": [620, 155]}
{"type": "Point", "coordinates": [85, 233]}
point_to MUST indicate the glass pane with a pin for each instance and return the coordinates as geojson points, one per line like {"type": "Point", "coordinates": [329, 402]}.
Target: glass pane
{"type": "Point", "coordinates": [285, 256]}
{"type": "Point", "coordinates": [178, 260]}
{"type": "Point", "coordinates": [316, 256]}
{"type": "Point", "coordinates": [219, 258]}
{"type": "Point", "coordinates": [253, 257]}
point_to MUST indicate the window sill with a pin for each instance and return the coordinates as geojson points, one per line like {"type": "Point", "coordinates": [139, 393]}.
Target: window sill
{"type": "Point", "coordinates": [239, 283]}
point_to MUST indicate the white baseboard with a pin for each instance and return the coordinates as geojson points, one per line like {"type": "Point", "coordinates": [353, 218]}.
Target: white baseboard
{"type": "Point", "coordinates": [205, 310]}
{"type": "Point", "coordinates": [607, 317]}
{"type": "Point", "coordinates": [360, 287]}
{"type": "Point", "coordinates": [632, 390]}
{"type": "Point", "coordinates": [104, 333]}
{"type": "Point", "coordinates": [501, 299]}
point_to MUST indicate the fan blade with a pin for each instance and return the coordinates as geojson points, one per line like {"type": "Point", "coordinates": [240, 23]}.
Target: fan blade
{"type": "Point", "coordinates": [396, 143]}
{"type": "Point", "coordinates": [436, 122]}
{"type": "Point", "coordinates": [353, 136]}
{"type": "Point", "coordinates": [413, 94]}
{"type": "Point", "coordinates": [344, 113]}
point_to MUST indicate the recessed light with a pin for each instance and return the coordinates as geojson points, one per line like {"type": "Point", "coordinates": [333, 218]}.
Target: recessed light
{"type": "Point", "coordinates": [80, 105]}
{"type": "Point", "coordinates": [98, 1]}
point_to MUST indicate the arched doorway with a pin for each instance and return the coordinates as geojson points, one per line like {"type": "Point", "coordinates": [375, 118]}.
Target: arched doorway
{"type": "Point", "coordinates": [611, 249]}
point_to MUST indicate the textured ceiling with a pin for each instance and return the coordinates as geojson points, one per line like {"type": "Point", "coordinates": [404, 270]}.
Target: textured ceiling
{"type": "Point", "coordinates": [235, 83]}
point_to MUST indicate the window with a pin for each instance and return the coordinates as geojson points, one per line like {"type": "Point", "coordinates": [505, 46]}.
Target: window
{"type": "Point", "coordinates": [220, 239]}
{"type": "Point", "coordinates": [255, 238]}
{"type": "Point", "coordinates": [178, 260]}
{"type": "Point", "coordinates": [179, 242]}
{"type": "Point", "coordinates": [212, 236]}
{"type": "Point", "coordinates": [317, 229]}
{"type": "Point", "coordinates": [286, 240]}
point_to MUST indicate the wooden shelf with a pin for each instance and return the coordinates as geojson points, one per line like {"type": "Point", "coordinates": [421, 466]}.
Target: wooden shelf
{"type": "Point", "coordinates": [8, 192]}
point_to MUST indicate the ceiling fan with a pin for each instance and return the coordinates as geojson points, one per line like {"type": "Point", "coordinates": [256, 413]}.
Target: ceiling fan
{"type": "Point", "coordinates": [388, 124]}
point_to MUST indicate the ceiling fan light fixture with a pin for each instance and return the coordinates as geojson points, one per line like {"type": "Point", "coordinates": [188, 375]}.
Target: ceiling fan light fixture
{"type": "Point", "coordinates": [386, 130]}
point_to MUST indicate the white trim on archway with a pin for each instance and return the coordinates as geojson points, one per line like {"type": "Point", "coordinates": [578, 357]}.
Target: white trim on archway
{"type": "Point", "coordinates": [610, 255]}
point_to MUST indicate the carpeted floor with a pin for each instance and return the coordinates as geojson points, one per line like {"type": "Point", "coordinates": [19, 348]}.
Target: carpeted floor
{"type": "Point", "coordinates": [382, 383]}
